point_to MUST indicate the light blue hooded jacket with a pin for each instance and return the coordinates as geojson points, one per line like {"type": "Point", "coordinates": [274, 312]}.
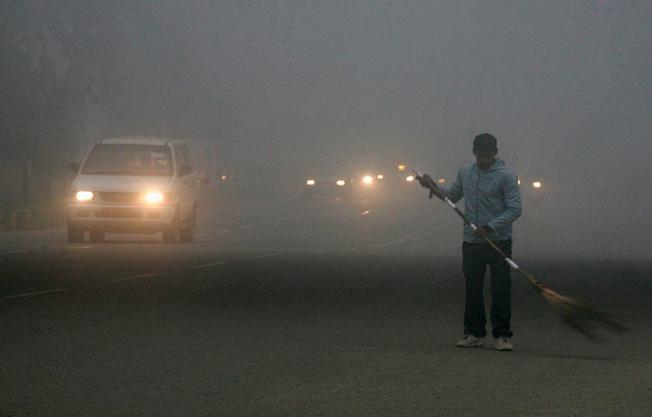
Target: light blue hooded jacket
{"type": "Point", "coordinates": [491, 198]}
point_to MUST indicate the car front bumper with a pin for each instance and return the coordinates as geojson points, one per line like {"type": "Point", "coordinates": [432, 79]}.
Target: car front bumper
{"type": "Point", "coordinates": [120, 217]}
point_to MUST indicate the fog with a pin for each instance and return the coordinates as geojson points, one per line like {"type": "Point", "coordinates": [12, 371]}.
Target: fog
{"type": "Point", "coordinates": [277, 89]}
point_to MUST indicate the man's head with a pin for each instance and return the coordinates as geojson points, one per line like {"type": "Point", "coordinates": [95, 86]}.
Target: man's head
{"type": "Point", "coordinates": [485, 149]}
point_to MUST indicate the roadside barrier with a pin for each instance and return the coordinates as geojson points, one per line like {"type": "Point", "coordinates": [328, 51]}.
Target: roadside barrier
{"type": "Point", "coordinates": [32, 218]}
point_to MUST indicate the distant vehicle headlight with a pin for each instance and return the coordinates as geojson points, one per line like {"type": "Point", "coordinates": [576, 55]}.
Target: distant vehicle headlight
{"type": "Point", "coordinates": [340, 183]}
{"type": "Point", "coordinates": [84, 195]}
{"type": "Point", "coordinates": [442, 181]}
{"type": "Point", "coordinates": [367, 180]}
{"type": "Point", "coordinates": [310, 182]}
{"type": "Point", "coordinates": [380, 177]}
{"type": "Point", "coordinates": [409, 178]}
{"type": "Point", "coordinates": [154, 197]}
{"type": "Point", "coordinates": [536, 184]}
{"type": "Point", "coordinates": [401, 167]}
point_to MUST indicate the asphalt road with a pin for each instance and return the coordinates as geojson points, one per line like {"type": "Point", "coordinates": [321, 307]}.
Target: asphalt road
{"type": "Point", "coordinates": [294, 308]}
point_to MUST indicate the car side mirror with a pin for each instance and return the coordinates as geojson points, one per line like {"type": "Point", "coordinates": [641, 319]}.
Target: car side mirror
{"type": "Point", "coordinates": [73, 166]}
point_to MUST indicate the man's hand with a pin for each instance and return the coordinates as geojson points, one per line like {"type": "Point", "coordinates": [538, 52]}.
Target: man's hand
{"type": "Point", "coordinates": [483, 231]}
{"type": "Point", "coordinates": [426, 182]}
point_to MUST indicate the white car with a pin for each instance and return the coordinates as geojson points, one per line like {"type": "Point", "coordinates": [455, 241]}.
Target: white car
{"type": "Point", "coordinates": [134, 185]}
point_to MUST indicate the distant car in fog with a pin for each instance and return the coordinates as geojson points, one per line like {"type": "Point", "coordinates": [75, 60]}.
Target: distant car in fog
{"type": "Point", "coordinates": [327, 186]}
{"type": "Point", "coordinates": [362, 186]}
{"type": "Point", "coordinates": [134, 185]}
{"type": "Point", "coordinates": [534, 184]}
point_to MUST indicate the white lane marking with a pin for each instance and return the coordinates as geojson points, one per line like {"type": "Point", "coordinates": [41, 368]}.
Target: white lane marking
{"type": "Point", "coordinates": [30, 294]}
{"type": "Point", "coordinates": [13, 252]}
{"type": "Point", "coordinates": [132, 277]}
{"type": "Point", "coordinates": [410, 237]}
{"type": "Point", "coordinates": [396, 241]}
{"type": "Point", "coordinates": [422, 235]}
{"type": "Point", "coordinates": [364, 213]}
{"type": "Point", "coordinates": [208, 265]}
{"type": "Point", "coordinates": [271, 255]}
{"type": "Point", "coordinates": [81, 247]}
{"type": "Point", "coordinates": [246, 226]}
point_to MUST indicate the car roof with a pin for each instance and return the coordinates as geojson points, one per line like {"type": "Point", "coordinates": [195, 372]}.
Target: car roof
{"type": "Point", "coordinates": [140, 140]}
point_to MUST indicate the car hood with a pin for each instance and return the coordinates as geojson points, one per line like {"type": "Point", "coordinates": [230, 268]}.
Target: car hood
{"type": "Point", "coordinates": [122, 183]}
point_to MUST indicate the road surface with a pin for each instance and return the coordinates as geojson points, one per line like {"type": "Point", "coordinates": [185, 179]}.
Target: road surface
{"type": "Point", "coordinates": [303, 308]}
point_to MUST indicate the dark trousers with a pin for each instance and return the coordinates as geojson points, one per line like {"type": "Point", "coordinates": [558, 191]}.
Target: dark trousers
{"type": "Point", "coordinates": [476, 258]}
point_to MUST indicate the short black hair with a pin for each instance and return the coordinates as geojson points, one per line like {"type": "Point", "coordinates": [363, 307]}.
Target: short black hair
{"type": "Point", "coordinates": [485, 142]}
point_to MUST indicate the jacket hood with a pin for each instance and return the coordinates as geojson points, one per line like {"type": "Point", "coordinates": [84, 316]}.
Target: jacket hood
{"type": "Point", "coordinates": [499, 165]}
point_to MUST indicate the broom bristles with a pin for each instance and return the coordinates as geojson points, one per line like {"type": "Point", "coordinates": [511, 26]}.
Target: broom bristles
{"type": "Point", "coordinates": [581, 316]}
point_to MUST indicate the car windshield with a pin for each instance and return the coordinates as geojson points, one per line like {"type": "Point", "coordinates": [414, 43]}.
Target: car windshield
{"type": "Point", "coordinates": [120, 159]}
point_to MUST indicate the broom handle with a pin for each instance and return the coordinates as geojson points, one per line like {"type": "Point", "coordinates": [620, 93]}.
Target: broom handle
{"type": "Point", "coordinates": [510, 261]}
{"type": "Point", "coordinates": [573, 313]}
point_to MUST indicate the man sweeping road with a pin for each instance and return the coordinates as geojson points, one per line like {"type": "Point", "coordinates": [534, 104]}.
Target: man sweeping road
{"type": "Point", "coordinates": [492, 201]}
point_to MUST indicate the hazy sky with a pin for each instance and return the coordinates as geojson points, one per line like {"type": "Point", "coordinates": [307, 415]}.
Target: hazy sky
{"type": "Point", "coordinates": [558, 83]}
{"type": "Point", "coordinates": [566, 87]}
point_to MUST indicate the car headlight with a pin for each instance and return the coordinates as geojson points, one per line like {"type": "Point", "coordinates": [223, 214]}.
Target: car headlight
{"type": "Point", "coordinates": [154, 197]}
{"type": "Point", "coordinates": [367, 180]}
{"type": "Point", "coordinates": [536, 184]}
{"type": "Point", "coordinates": [340, 183]}
{"type": "Point", "coordinates": [380, 177]}
{"type": "Point", "coordinates": [84, 195]}
{"type": "Point", "coordinates": [310, 182]}
{"type": "Point", "coordinates": [409, 178]}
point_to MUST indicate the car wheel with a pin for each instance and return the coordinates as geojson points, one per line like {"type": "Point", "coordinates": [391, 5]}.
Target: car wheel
{"type": "Point", "coordinates": [97, 236]}
{"type": "Point", "coordinates": [75, 235]}
{"type": "Point", "coordinates": [170, 234]}
{"type": "Point", "coordinates": [187, 233]}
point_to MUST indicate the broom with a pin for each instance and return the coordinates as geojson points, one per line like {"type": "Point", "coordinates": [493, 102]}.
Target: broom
{"type": "Point", "coordinates": [580, 316]}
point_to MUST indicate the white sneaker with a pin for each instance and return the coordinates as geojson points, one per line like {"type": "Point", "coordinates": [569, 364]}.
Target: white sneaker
{"type": "Point", "coordinates": [470, 341]}
{"type": "Point", "coordinates": [504, 344]}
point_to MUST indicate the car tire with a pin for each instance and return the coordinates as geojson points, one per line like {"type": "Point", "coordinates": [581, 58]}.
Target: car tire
{"type": "Point", "coordinates": [97, 236]}
{"type": "Point", "coordinates": [187, 233]}
{"type": "Point", "coordinates": [171, 233]}
{"type": "Point", "coordinates": [75, 235]}
{"type": "Point", "coordinates": [170, 236]}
